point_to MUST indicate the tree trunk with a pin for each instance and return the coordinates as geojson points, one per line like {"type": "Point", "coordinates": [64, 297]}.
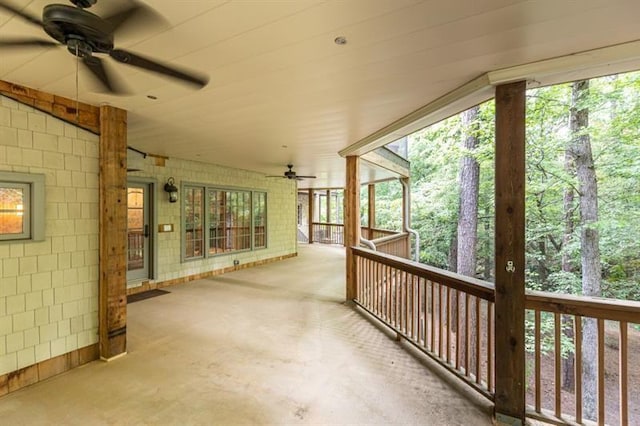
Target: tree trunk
{"type": "Point", "coordinates": [589, 239]}
{"type": "Point", "coordinates": [568, 208]}
{"type": "Point", "coordinates": [468, 212]}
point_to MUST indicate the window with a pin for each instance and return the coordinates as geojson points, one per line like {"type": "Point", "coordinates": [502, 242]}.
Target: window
{"type": "Point", "coordinates": [229, 221]}
{"type": "Point", "coordinates": [21, 206]}
{"type": "Point", "coordinates": [193, 205]}
{"type": "Point", "coordinates": [260, 220]}
{"type": "Point", "coordinates": [234, 220]}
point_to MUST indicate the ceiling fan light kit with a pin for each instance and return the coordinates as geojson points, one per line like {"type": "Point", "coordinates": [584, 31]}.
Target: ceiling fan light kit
{"type": "Point", "coordinates": [86, 34]}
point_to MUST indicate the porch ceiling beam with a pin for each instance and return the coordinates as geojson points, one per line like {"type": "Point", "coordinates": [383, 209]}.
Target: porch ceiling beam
{"type": "Point", "coordinates": [77, 113]}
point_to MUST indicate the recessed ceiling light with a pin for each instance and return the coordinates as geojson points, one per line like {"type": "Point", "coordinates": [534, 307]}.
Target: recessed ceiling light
{"type": "Point", "coordinates": [153, 98]}
{"type": "Point", "coordinates": [285, 146]}
{"type": "Point", "coordinates": [340, 40]}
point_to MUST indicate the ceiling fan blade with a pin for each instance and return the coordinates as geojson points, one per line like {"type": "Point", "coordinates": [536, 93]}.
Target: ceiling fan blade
{"type": "Point", "coordinates": [307, 177]}
{"type": "Point", "coordinates": [24, 15]}
{"type": "Point", "coordinates": [278, 176]}
{"type": "Point", "coordinates": [129, 58]}
{"type": "Point", "coordinates": [96, 66]}
{"type": "Point", "coordinates": [27, 42]}
{"type": "Point", "coordinates": [136, 15]}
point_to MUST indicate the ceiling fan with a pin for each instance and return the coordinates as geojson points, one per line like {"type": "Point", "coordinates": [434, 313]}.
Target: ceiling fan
{"type": "Point", "coordinates": [86, 34]}
{"type": "Point", "coordinates": [290, 174]}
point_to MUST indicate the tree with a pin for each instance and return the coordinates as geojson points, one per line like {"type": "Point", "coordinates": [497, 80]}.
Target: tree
{"type": "Point", "coordinates": [589, 239]}
{"type": "Point", "coordinates": [467, 230]}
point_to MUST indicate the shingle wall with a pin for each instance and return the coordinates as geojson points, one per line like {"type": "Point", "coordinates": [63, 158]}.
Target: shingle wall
{"type": "Point", "coordinates": [49, 289]}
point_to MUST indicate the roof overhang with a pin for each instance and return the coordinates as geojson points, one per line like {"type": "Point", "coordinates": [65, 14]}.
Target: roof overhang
{"type": "Point", "coordinates": [589, 64]}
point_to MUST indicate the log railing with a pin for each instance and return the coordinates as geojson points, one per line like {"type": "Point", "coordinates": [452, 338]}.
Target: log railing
{"type": "Point", "coordinates": [559, 324]}
{"type": "Point", "coordinates": [447, 316]}
{"type": "Point", "coordinates": [451, 318]}
{"type": "Point", "coordinates": [328, 233]}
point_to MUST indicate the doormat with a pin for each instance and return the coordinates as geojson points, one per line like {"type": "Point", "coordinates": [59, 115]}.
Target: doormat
{"type": "Point", "coordinates": [132, 298]}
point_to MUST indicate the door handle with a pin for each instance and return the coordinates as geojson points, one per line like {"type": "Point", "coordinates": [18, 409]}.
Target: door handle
{"type": "Point", "coordinates": [146, 231]}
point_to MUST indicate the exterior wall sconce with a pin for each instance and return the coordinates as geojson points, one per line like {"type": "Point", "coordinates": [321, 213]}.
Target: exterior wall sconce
{"type": "Point", "coordinates": [172, 190]}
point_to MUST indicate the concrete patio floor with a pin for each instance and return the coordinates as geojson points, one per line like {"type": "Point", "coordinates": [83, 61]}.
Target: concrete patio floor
{"type": "Point", "coordinates": [274, 344]}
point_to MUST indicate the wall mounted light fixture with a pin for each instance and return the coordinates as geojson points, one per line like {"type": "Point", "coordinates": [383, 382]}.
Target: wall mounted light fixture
{"type": "Point", "coordinates": [172, 190]}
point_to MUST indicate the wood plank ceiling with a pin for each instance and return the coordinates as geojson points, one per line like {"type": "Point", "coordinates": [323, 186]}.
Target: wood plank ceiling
{"type": "Point", "coordinates": [282, 91]}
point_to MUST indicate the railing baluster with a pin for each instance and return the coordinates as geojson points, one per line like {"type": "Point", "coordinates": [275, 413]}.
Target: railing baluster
{"type": "Point", "coordinates": [622, 367]}
{"type": "Point", "coordinates": [537, 352]}
{"type": "Point", "coordinates": [457, 298]}
{"type": "Point", "coordinates": [490, 361]}
{"type": "Point", "coordinates": [440, 319]}
{"type": "Point", "coordinates": [433, 316]}
{"type": "Point", "coordinates": [447, 296]}
{"type": "Point", "coordinates": [601, 408]}
{"type": "Point", "coordinates": [558, 364]}
{"type": "Point", "coordinates": [478, 347]}
{"type": "Point", "coordinates": [578, 367]}
{"type": "Point", "coordinates": [467, 337]}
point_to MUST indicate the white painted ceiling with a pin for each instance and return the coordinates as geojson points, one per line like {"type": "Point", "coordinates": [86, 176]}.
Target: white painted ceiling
{"type": "Point", "coordinates": [282, 91]}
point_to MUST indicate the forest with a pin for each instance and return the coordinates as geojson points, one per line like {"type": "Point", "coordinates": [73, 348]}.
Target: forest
{"type": "Point", "coordinates": [582, 189]}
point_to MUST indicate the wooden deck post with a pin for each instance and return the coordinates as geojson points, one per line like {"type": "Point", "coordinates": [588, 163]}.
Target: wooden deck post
{"type": "Point", "coordinates": [352, 221]}
{"type": "Point", "coordinates": [311, 199]}
{"type": "Point", "coordinates": [113, 232]}
{"type": "Point", "coordinates": [328, 206]}
{"type": "Point", "coordinates": [371, 210]}
{"type": "Point", "coordinates": [509, 247]}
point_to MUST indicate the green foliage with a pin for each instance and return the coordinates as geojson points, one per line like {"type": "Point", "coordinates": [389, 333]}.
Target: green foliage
{"type": "Point", "coordinates": [614, 130]}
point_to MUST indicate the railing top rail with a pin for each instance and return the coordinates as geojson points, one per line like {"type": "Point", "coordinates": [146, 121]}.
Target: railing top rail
{"type": "Point", "coordinates": [593, 307]}
{"type": "Point", "coordinates": [474, 287]}
{"type": "Point", "coordinates": [327, 224]}
{"type": "Point", "coordinates": [383, 231]}
{"type": "Point", "coordinates": [389, 238]}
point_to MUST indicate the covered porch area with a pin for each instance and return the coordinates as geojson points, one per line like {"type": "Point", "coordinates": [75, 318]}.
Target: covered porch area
{"type": "Point", "coordinates": [274, 344]}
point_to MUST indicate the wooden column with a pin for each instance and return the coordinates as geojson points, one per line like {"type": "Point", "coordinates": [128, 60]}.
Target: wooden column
{"type": "Point", "coordinates": [352, 221]}
{"type": "Point", "coordinates": [328, 206]}
{"type": "Point", "coordinates": [510, 260]}
{"type": "Point", "coordinates": [371, 209]}
{"type": "Point", "coordinates": [406, 212]}
{"type": "Point", "coordinates": [113, 232]}
{"type": "Point", "coordinates": [311, 200]}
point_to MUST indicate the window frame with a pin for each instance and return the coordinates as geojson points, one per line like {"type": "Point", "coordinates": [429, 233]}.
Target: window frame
{"type": "Point", "coordinates": [205, 213]}
{"type": "Point", "coordinates": [33, 206]}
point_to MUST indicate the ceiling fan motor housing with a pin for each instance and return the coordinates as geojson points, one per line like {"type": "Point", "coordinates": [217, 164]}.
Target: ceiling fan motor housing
{"type": "Point", "coordinates": [77, 28]}
{"type": "Point", "coordinates": [84, 3]}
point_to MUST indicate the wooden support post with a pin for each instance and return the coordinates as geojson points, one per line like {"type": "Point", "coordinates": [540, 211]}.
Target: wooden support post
{"type": "Point", "coordinates": [311, 200]}
{"type": "Point", "coordinates": [509, 254]}
{"type": "Point", "coordinates": [406, 212]}
{"type": "Point", "coordinates": [371, 210]}
{"type": "Point", "coordinates": [113, 232]}
{"type": "Point", "coordinates": [328, 206]}
{"type": "Point", "coordinates": [352, 222]}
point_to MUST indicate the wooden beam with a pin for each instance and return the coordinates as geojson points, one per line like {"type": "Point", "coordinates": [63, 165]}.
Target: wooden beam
{"type": "Point", "coordinates": [113, 232]}
{"type": "Point", "coordinates": [371, 208]}
{"type": "Point", "coordinates": [509, 253]}
{"type": "Point", "coordinates": [73, 112]}
{"type": "Point", "coordinates": [352, 221]}
{"type": "Point", "coordinates": [311, 202]}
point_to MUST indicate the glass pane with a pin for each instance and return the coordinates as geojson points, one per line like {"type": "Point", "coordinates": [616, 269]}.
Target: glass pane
{"type": "Point", "coordinates": [12, 204]}
{"type": "Point", "coordinates": [193, 211]}
{"type": "Point", "coordinates": [260, 220]}
{"type": "Point", "coordinates": [135, 228]}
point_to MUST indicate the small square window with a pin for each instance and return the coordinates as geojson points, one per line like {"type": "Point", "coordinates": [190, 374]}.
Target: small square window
{"type": "Point", "coordinates": [21, 206]}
